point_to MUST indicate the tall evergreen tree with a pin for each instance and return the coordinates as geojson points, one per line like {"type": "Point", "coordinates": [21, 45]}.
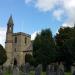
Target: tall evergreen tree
{"type": "Point", "coordinates": [44, 48]}
{"type": "Point", "coordinates": [65, 40]}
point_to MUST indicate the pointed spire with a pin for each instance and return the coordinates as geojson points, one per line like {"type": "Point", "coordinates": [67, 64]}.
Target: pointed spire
{"type": "Point", "coordinates": [10, 21]}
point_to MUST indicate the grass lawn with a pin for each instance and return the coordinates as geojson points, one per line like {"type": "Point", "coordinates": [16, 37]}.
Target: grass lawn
{"type": "Point", "coordinates": [68, 73]}
{"type": "Point", "coordinates": [32, 73]}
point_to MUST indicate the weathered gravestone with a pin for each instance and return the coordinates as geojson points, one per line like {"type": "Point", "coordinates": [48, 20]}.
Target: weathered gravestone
{"type": "Point", "coordinates": [38, 70]}
{"type": "Point", "coordinates": [50, 70]}
{"type": "Point", "coordinates": [1, 72]}
{"type": "Point", "coordinates": [54, 69]}
{"type": "Point", "coordinates": [61, 66]}
{"type": "Point", "coordinates": [73, 73]}
{"type": "Point", "coordinates": [16, 71]}
{"type": "Point", "coordinates": [26, 69]}
{"type": "Point", "coordinates": [60, 70]}
{"type": "Point", "coordinates": [73, 68]}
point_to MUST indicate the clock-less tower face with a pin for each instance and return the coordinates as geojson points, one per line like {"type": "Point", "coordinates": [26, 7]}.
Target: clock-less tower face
{"type": "Point", "coordinates": [10, 29]}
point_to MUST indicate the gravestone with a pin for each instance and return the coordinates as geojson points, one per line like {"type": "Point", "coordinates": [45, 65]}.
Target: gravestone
{"type": "Point", "coordinates": [50, 70]}
{"type": "Point", "coordinates": [38, 70]}
{"type": "Point", "coordinates": [73, 69]}
{"type": "Point", "coordinates": [60, 70]}
{"type": "Point", "coordinates": [73, 73]}
{"type": "Point", "coordinates": [26, 69]}
{"type": "Point", "coordinates": [61, 66]}
{"type": "Point", "coordinates": [16, 71]}
{"type": "Point", "coordinates": [1, 72]}
{"type": "Point", "coordinates": [54, 69]}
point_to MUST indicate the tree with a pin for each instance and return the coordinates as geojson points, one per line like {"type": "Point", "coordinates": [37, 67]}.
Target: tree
{"type": "Point", "coordinates": [65, 45]}
{"type": "Point", "coordinates": [3, 56]}
{"type": "Point", "coordinates": [44, 48]}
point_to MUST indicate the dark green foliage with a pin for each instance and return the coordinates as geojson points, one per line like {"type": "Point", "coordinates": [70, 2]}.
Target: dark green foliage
{"type": "Point", "coordinates": [65, 41]}
{"type": "Point", "coordinates": [3, 56]}
{"type": "Point", "coordinates": [44, 48]}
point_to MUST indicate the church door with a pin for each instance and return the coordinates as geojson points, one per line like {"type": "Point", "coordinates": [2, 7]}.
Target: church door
{"type": "Point", "coordinates": [15, 62]}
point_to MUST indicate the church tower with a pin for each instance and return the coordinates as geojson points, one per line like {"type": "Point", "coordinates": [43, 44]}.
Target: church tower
{"type": "Point", "coordinates": [9, 41]}
{"type": "Point", "coordinates": [17, 45]}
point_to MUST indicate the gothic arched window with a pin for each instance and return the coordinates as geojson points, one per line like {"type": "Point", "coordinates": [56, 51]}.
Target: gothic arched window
{"type": "Point", "coordinates": [25, 40]}
{"type": "Point", "coordinates": [15, 39]}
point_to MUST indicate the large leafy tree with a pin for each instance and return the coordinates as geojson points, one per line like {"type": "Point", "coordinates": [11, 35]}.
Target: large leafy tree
{"type": "Point", "coordinates": [44, 48]}
{"type": "Point", "coordinates": [3, 56]}
{"type": "Point", "coordinates": [65, 40]}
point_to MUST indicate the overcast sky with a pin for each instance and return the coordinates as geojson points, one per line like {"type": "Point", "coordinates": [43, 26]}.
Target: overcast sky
{"type": "Point", "coordinates": [30, 16]}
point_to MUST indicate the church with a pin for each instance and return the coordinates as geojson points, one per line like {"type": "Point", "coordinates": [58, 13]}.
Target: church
{"type": "Point", "coordinates": [17, 45]}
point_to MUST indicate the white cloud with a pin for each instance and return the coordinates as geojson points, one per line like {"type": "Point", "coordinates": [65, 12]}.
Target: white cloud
{"type": "Point", "coordinates": [68, 6]}
{"type": "Point", "coordinates": [2, 35]}
{"type": "Point", "coordinates": [58, 14]}
{"type": "Point", "coordinates": [28, 1]}
{"type": "Point", "coordinates": [33, 36]}
{"type": "Point", "coordinates": [68, 24]}
{"type": "Point", "coordinates": [45, 5]}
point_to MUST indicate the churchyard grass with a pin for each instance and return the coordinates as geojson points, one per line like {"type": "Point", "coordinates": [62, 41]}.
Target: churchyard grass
{"type": "Point", "coordinates": [32, 73]}
{"type": "Point", "coordinates": [68, 73]}
{"type": "Point", "coordinates": [43, 73]}
{"type": "Point", "coordinates": [7, 73]}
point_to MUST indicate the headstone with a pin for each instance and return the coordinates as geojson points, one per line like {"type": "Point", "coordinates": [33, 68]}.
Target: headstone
{"type": "Point", "coordinates": [54, 69]}
{"type": "Point", "coordinates": [26, 69]}
{"type": "Point", "coordinates": [38, 70]}
{"type": "Point", "coordinates": [16, 71]}
{"type": "Point", "coordinates": [73, 69]}
{"type": "Point", "coordinates": [4, 70]}
{"type": "Point", "coordinates": [60, 70]}
{"type": "Point", "coordinates": [50, 70]}
{"type": "Point", "coordinates": [73, 73]}
{"type": "Point", "coordinates": [61, 66]}
{"type": "Point", "coordinates": [1, 72]}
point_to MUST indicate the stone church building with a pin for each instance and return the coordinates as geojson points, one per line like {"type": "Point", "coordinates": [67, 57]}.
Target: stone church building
{"type": "Point", "coordinates": [17, 45]}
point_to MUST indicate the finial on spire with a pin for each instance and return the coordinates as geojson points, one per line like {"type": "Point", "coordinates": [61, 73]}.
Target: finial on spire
{"type": "Point", "coordinates": [10, 21]}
